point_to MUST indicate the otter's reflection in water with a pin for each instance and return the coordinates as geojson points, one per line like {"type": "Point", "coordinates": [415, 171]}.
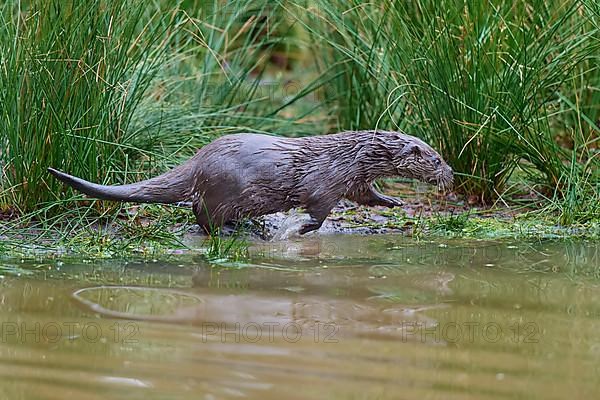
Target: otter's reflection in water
{"type": "Point", "coordinates": [259, 316]}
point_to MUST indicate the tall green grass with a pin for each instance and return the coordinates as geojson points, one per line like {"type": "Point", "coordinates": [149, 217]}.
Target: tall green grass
{"type": "Point", "coordinates": [486, 83]}
{"type": "Point", "coordinates": [217, 80]}
{"type": "Point", "coordinates": [73, 74]}
{"type": "Point", "coordinates": [103, 88]}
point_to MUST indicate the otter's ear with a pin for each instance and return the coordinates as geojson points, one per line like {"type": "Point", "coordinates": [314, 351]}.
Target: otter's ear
{"type": "Point", "coordinates": [410, 149]}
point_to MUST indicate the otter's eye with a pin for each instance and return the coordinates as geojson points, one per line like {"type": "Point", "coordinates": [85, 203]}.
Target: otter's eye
{"type": "Point", "coordinates": [437, 162]}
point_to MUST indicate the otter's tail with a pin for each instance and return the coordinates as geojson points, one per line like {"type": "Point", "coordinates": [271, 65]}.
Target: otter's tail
{"type": "Point", "coordinates": [173, 186]}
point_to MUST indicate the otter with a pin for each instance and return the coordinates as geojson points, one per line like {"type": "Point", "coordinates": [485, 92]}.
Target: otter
{"type": "Point", "coordinates": [247, 175]}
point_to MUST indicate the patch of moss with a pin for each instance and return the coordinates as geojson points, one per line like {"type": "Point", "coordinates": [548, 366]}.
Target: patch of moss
{"type": "Point", "coordinates": [498, 227]}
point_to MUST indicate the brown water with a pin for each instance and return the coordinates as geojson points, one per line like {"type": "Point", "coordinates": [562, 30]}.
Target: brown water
{"type": "Point", "coordinates": [324, 318]}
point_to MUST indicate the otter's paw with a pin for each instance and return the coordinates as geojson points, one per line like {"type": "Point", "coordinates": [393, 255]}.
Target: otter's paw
{"type": "Point", "coordinates": [391, 202]}
{"type": "Point", "coordinates": [309, 227]}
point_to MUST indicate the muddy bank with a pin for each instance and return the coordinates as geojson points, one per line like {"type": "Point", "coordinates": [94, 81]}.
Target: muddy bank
{"type": "Point", "coordinates": [150, 230]}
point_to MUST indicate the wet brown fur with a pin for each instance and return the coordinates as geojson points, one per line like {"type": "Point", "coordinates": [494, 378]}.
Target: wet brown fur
{"type": "Point", "coordinates": [249, 175]}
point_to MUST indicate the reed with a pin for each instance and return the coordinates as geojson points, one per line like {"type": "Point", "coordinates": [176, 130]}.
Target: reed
{"type": "Point", "coordinates": [491, 84]}
{"type": "Point", "coordinates": [73, 74]}
{"type": "Point", "coordinates": [103, 88]}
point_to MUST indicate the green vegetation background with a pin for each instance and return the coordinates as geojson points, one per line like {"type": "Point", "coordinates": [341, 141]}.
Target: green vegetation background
{"type": "Point", "coordinates": [114, 92]}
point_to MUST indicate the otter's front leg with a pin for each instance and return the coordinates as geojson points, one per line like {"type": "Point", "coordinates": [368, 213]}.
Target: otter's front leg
{"type": "Point", "coordinates": [368, 196]}
{"type": "Point", "coordinates": [318, 210]}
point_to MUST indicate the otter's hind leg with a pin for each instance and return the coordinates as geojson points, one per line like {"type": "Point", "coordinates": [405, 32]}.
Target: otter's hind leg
{"type": "Point", "coordinates": [202, 217]}
{"type": "Point", "coordinates": [208, 220]}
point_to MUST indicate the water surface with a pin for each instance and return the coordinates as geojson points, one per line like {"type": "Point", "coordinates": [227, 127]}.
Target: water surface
{"type": "Point", "coordinates": [322, 318]}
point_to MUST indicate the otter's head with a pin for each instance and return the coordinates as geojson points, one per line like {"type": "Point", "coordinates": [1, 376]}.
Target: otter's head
{"type": "Point", "coordinates": [418, 160]}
